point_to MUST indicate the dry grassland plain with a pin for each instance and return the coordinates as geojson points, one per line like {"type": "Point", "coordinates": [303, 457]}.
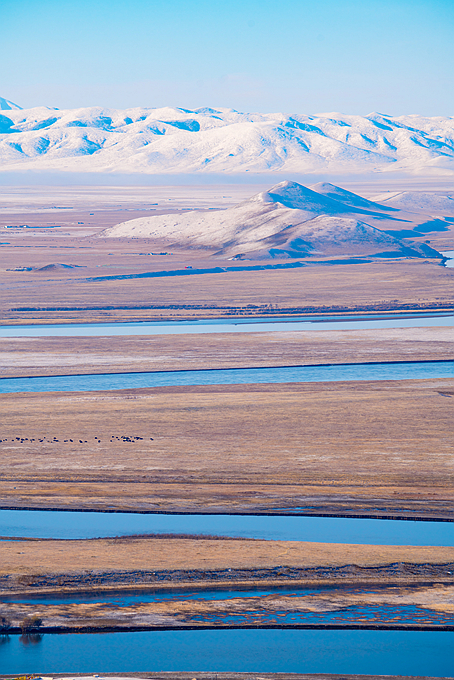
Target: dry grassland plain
{"type": "Point", "coordinates": [60, 296]}
{"type": "Point", "coordinates": [69, 355]}
{"type": "Point", "coordinates": [79, 214]}
{"type": "Point", "coordinates": [371, 448]}
{"type": "Point", "coordinates": [364, 448]}
{"type": "Point", "coordinates": [37, 557]}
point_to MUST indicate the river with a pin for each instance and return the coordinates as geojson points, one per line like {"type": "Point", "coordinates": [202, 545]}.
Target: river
{"type": "Point", "coordinates": [405, 370]}
{"type": "Point", "coordinates": [371, 652]}
{"type": "Point", "coordinates": [236, 325]}
{"type": "Point", "coordinates": [75, 524]}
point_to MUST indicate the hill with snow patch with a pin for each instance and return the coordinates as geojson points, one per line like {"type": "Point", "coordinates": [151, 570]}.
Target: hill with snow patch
{"type": "Point", "coordinates": [289, 220]}
{"type": "Point", "coordinates": [175, 140]}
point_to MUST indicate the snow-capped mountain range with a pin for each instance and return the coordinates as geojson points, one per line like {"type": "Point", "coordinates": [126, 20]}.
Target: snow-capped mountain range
{"type": "Point", "coordinates": [287, 221]}
{"type": "Point", "coordinates": [175, 141]}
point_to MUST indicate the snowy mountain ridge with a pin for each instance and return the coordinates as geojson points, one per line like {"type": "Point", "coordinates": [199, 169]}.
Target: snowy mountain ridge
{"type": "Point", "coordinates": [176, 140]}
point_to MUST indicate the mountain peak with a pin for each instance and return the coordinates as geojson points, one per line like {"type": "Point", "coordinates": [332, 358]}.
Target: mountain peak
{"type": "Point", "coordinates": [6, 105]}
{"type": "Point", "coordinates": [298, 197]}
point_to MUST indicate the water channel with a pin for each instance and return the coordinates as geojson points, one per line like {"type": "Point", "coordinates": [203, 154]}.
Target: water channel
{"type": "Point", "coordinates": [235, 325]}
{"type": "Point", "coordinates": [414, 370]}
{"type": "Point", "coordinates": [79, 525]}
{"type": "Point", "coordinates": [372, 652]}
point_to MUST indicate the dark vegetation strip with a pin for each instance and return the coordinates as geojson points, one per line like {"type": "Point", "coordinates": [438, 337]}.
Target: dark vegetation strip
{"type": "Point", "coordinates": [266, 309]}
{"type": "Point", "coordinates": [278, 512]}
{"type": "Point", "coordinates": [59, 630]}
{"type": "Point", "coordinates": [204, 675]}
{"type": "Point", "coordinates": [396, 570]}
{"type": "Point", "coordinates": [135, 537]}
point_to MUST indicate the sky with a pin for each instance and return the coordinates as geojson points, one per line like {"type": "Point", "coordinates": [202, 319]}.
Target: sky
{"type": "Point", "coordinates": [292, 56]}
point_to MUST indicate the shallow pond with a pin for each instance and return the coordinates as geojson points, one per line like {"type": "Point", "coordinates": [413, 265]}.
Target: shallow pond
{"type": "Point", "coordinates": [70, 524]}
{"type": "Point", "coordinates": [250, 613]}
{"type": "Point", "coordinates": [450, 255]}
{"type": "Point", "coordinates": [260, 610]}
{"type": "Point", "coordinates": [418, 653]}
{"type": "Point", "coordinates": [414, 370]}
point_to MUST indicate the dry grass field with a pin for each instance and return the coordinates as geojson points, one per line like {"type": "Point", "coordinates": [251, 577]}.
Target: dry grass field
{"type": "Point", "coordinates": [76, 355]}
{"type": "Point", "coordinates": [80, 213]}
{"type": "Point", "coordinates": [54, 557]}
{"type": "Point", "coordinates": [358, 448]}
{"type": "Point", "coordinates": [374, 448]}
{"type": "Point", "coordinates": [70, 295]}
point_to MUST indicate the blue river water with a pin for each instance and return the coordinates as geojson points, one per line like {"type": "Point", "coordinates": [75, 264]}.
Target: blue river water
{"type": "Point", "coordinates": [127, 598]}
{"type": "Point", "coordinates": [371, 652]}
{"type": "Point", "coordinates": [76, 524]}
{"type": "Point", "coordinates": [234, 325]}
{"type": "Point", "coordinates": [414, 370]}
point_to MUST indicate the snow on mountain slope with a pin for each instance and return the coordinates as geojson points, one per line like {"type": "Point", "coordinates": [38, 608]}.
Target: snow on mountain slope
{"type": "Point", "coordinates": [419, 201]}
{"type": "Point", "coordinates": [348, 198]}
{"type": "Point", "coordinates": [289, 220]}
{"type": "Point", "coordinates": [322, 235]}
{"type": "Point", "coordinates": [175, 140]}
{"type": "Point", "coordinates": [6, 105]}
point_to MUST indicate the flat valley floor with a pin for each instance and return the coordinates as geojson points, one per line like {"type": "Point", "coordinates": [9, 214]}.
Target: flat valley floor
{"type": "Point", "coordinates": [368, 448]}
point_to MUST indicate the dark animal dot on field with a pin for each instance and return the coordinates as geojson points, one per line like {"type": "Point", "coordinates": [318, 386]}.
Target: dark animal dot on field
{"type": "Point", "coordinates": [80, 441]}
{"type": "Point", "coordinates": [70, 440]}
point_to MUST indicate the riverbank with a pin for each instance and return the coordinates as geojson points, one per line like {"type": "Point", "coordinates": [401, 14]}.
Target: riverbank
{"type": "Point", "coordinates": [82, 293]}
{"type": "Point", "coordinates": [142, 560]}
{"type": "Point", "coordinates": [88, 355]}
{"type": "Point", "coordinates": [150, 584]}
{"type": "Point", "coordinates": [171, 675]}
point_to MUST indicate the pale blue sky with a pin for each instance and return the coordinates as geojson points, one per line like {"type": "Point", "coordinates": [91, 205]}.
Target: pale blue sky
{"type": "Point", "coordinates": [353, 56]}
